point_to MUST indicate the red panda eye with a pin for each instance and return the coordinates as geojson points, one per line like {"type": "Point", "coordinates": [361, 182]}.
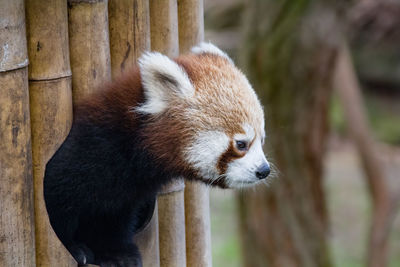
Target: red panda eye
{"type": "Point", "coordinates": [241, 145]}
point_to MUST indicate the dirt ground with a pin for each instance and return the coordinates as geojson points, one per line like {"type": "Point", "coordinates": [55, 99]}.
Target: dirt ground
{"type": "Point", "coordinates": [348, 204]}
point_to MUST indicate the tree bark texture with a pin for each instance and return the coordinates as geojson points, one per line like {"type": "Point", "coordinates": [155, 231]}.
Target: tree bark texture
{"type": "Point", "coordinates": [346, 84]}
{"type": "Point", "coordinates": [289, 52]}
{"type": "Point", "coordinates": [51, 110]}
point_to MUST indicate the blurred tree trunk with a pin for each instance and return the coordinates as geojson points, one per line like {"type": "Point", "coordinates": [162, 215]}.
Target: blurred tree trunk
{"type": "Point", "coordinates": [349, 93]}
{"type": "Point", "coordinates": [289, 53]}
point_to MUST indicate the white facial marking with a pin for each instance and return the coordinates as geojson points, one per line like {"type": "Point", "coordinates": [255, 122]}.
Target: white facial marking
{"type": "Point", "coordinates": [242, 172]}
{"type": "Point", "coordinates": [248, 136]}
{"type": "Point", "coordinates": [204, 47]}
{"type": "Point", "coordinates": [162, 79]}
{"type": "Point", "coordinates": [203, 154]}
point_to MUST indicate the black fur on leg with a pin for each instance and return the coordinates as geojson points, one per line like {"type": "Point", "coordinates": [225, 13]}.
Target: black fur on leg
{"type": "Point", "coordinates": [99, 188]}
{"type": "Point", "coordinates": [81, 253]}
{"type": "Point", "coordinates": [126, 256]}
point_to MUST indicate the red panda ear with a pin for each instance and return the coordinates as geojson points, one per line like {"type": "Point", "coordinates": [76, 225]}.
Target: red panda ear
{"type": "Point", "coordinates": [162, 80]}
{"type": "Point", "coordinates": [209, 48]}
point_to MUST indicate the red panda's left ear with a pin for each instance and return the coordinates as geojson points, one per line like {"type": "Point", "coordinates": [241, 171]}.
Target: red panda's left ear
{"type": "Point", "coordinates": [162, 80]}
{"type": "Point", "coordinates": [209, 48]}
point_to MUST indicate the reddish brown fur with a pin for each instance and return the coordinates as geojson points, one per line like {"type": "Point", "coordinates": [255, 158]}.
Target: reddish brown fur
{"type": "Point", "coordinates": [113, 101]}
{"type": "Point", "coordinates": [231, 154]}
{"type": "Point", "coordinates": [164, 135]}
{"type": "Point", "coordinates": [203, 71]}
{"type": "Point", "coordinates": [167, 134]}
{"type": "Point", "coordinates": [199, 69]}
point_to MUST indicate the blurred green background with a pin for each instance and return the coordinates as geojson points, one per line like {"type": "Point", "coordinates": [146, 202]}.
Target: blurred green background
{"type": "Point", "coordinates": [376, 55]}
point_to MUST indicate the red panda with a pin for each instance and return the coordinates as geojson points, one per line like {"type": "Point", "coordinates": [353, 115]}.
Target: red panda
{"type": "Point", "coordinates": [196, 116]}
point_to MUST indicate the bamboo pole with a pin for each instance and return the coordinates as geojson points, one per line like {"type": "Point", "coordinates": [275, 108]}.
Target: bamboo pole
{"type": "Point", "coordinates": [129, 37]}
{"type": "Point", "coordinates": [198, 228]}
{"type": "Point", "coordinates": [197, 206]}
{"type": "Point", "coordinates": [129, 32]}
{"type": "Point", "coordinates": [47, 32]}
{"type": "Point", "coordinates": [17, 239]}
{"type": "Point", "coordinates": [51, 110]}
{"type": "Point", "coordinates": [17, 246]}
{"type": "Point", "coordinates": [51, 116]}
{"type": "Point", "coordinates": [164, 27]}
{"type": "Point", "coordinates": [171, 210]}
{"type": "Point", "coordinates": [147, 241]}
{"type": "Point", "coordinates": [13, 51]}
{"type": "Point", "coordinates": [191, 24]}
{"type": "Point", "coordinates": [89, 45]}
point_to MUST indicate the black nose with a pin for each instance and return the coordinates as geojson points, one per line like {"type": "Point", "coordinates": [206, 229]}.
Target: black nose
{"type": "Point", "coordinates": [263, 171]}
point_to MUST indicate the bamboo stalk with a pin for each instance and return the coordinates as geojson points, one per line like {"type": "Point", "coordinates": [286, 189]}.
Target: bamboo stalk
{"type": "Point", "coordinates": [147, 241]}
{"type": "Point", "coordinates": [13, 51]}
{"type": "Point", "coordinates": [129, 32]}
{"type": "Point", "coordinates": [51, 116]}
{"type": "Point", "coordinates": [197, 206]}
{"type": "Point", "coordinates": [191, 23]}
{"type": "Point", "coordinates": [171, 210]}
{"type": "Point", "coordinates": [164, 27]}
{"type": "Point", "coordinates": [89, 45]}
{"type": "Point", "coordinates": [17, 246]}
{"type": "Point", "coordinates": [129, 38]}
{"type": "Point", "coordinates": [51, 110]}
{"type": "Point", "coordinates": [198, 228]}
{"type": "Point", "coordinates": [17, 238]}
{"type": "Point", "coordinates": [47, 32]}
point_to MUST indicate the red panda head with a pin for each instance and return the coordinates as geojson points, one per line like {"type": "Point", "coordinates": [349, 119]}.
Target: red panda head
{"type": "Point", "coordinates": [205, 117]}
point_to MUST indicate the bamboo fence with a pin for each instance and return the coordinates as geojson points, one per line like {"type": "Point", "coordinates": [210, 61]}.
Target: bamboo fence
{"type": "Point", "coordinates": [17, 242]}
{"type": "Point", "coordinates": [73, 47]}
{"type": "Point", "coordinates": [51, 110]}
{"type": "Point", "coordinates": [197, 206]}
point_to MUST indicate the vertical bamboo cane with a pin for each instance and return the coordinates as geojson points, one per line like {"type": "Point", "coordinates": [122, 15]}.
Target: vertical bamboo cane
{"type": "Point", "coordinates": [129, 32]}
{"type": "Point", "coordinates": [129, 38]}
{"type": "Point", "coordinates": [147, 241]}
{"type": "Point", "coordinates": [89, 45]}
{"type": "Point", "coordinates": [164, 27]}
{"type": "Point", "coordinates": [17, 245]}
{"type": "Point", "coordinates": [197, 206]}
{"type": "Point", "coordinates": [51, 110]}
{"type": "Point", "coordinates": [191, 23]}
{"type": "Point", "coordinates": [171, 210]}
